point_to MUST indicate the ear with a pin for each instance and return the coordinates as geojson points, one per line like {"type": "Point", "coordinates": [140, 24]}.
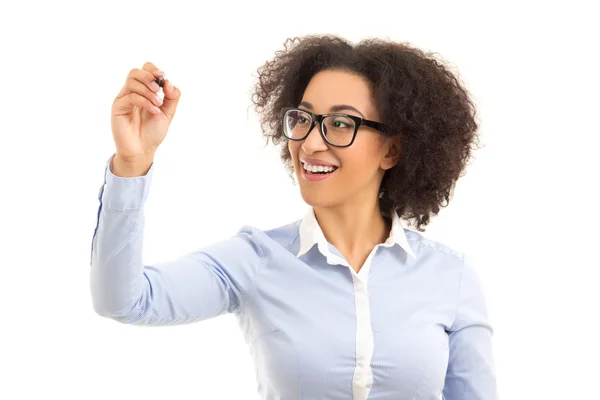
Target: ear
{"type": "Point", "coordinates": [392, 155]}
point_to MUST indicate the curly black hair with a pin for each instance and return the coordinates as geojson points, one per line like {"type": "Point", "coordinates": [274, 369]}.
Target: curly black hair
{"type": "Point", "coordinates": [417, 95]}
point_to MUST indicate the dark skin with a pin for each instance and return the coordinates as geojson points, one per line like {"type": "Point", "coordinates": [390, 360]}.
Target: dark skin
{"type": "Point", "coordinates": [346, 203]}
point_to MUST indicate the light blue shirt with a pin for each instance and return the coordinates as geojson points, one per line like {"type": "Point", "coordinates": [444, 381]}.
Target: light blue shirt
{"type": "Point", "coordinates": [412, 324]}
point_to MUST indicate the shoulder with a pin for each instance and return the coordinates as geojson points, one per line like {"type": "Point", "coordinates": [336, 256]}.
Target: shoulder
{"type": "Point", "coordinates": [284, 236]}
{"type": "Point", "coordinates": [427, 246]}
{"type": "Point", "coordinates": [463, 265]}
{"type": "Point", "coordinates": [246, 243]}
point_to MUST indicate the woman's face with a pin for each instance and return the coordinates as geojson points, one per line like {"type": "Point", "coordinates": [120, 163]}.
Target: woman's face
{"type": "Point", "coordinates": [361, 166]}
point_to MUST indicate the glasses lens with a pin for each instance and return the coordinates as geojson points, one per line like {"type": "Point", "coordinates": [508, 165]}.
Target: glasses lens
{"type": "Point", "coordinates": [339, 129]}
{"type": "Point", "coordinates": [296, 123]}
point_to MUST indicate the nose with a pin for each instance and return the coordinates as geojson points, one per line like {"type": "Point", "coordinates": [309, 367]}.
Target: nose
{"type": "Point", "coordinates": [314, 141]}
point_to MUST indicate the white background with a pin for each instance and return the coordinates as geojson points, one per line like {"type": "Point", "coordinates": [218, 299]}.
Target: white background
{"type": "Point", "coordinates": [527, 209]}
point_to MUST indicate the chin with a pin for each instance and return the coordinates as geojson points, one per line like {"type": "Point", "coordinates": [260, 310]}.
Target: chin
{"type": "Point", "coordinates": [316, 198]}
{"type": "Point", "coordinates": [316, 194]}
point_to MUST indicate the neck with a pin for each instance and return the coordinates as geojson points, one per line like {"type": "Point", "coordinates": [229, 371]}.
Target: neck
{"type": "Point", "coordinates": [353, 228]}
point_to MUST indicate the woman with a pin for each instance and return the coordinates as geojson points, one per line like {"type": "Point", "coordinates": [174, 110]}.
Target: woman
{"type": "Point", "coordinates": [345, 303]}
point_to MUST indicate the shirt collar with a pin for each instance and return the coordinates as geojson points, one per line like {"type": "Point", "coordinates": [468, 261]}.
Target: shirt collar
{"type": "Point", "coordinates": [311, 234]}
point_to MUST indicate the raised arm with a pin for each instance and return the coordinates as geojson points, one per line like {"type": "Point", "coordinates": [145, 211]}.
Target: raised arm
{"type": "Point", "coordinates": [194, 287]}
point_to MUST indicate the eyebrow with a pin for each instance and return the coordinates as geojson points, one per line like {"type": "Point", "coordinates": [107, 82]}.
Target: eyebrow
{"type": "Point", "coordinates": [335, 108]}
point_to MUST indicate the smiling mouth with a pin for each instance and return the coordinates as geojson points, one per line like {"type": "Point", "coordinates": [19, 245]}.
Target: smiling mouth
{"type": "Point", "coordinates": [327, 172]}
{"type": "Point", "coordinates": [316, 173]}
{"type": "Point", "coordinates": [317, 169]}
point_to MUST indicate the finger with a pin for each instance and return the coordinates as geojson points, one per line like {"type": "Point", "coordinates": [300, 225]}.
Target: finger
{"type": "Point", "coordinates": [125, 104]}
{"type": "Point", "coordinates": [135, 86]}
{"type": "Point", "coordinates": [149, 67]}
{"type": "Point", "coordinates": [153, 69]}
{"type": "Point", "coordinates": [171, 99]}
{"type": "Point", "coordinates": [142, 76]}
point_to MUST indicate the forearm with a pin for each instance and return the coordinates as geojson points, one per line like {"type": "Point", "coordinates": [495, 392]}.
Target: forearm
{"type": "Point", "coordinates": [116, 266]}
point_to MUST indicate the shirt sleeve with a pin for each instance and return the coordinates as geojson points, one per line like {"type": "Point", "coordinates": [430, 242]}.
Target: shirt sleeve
{"type": "Point", "coordinates": [471, 371]}
{"type": "Point", "coordinates": [194, 287]}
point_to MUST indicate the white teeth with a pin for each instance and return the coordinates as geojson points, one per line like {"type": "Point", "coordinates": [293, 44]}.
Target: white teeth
{"type": "Point", "coordinates": [317, 168]}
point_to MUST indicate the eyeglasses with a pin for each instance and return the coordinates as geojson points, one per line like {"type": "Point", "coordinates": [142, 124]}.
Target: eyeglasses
{"type": "Point", "coordinates": [338, 130]}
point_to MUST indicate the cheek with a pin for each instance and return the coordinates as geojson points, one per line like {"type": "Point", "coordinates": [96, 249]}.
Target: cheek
{"type": "Point", "coordinates": [361, 162]}
{"type": "Point", "coordinates": [373, 147]}
{"type": "Point", "coordinates": [292, 147]}
{"type": "Point", "coordinates": [354, 159]}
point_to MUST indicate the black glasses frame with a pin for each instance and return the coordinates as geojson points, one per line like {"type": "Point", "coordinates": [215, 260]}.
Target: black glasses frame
{"type": "Point", "coordinates": [320, 117]}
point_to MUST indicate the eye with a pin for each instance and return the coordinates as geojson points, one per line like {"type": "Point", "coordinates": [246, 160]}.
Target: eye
{"type": "Point", "coordinates": [339, 124]}
{"type": "Point", "coordinates": [302, 119]}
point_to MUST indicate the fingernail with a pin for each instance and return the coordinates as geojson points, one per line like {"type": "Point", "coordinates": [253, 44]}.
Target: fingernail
{"type": "Point", "coordinates": [155, 86]}
{"type": "Point", "coordinates": [158, 99]}
{"type": "Point", "coordinates": [156, 109]}
{"type": "Point", "coordinates": [170, 85]}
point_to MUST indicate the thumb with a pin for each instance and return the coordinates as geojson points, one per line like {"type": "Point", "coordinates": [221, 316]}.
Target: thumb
{"type": "Point", "coordinates": [171, 98]}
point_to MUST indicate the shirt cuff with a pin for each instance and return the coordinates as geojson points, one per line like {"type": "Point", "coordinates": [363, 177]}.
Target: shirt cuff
{"type": "Point", "coordinates": [120, 193]}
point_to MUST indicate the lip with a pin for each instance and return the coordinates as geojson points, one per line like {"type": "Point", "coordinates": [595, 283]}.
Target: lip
{"type": "Point", "coordinates": [313, 161]}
